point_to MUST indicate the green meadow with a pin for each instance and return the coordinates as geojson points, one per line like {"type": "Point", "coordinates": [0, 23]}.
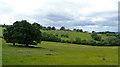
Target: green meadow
{"type": "Point", "coordinates": [53, 53]}
{"type": "Point", "coordinates": [71, 34]}
{"type": "Point", "coordinates": [56, 53]}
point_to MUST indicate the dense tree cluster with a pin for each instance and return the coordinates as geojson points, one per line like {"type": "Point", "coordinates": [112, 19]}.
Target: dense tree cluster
{"type": "Point", "coordinates": [95, 36]}
{"type": "Point", "coordinates": [111, 41]}
{"type": "Point", "coordinates": [78, 30]}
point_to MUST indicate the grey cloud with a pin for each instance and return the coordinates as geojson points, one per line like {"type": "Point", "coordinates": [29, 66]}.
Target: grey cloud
{"type": "Point", "coordinates": [56, 18]}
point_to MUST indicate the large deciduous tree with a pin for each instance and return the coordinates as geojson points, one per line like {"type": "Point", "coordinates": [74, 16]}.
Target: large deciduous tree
{"type": "Point", "coordinates": [37, 25]}
{"type": "Point", "coordinates": [22, 32]}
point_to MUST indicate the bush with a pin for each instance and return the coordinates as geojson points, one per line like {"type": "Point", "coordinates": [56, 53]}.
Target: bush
{"type": "Point", "coordinates": [78, 40]}
{"type": "Point", "coordinates": [67, 41]}
{"type": "Point", "coordinates": [92, 42]}
{"type": "Point", "coordinates": [64, 35]}
{"type": "Point", "coordinates": [50, 37]}
{"type": "Point", "coordinates": [95, 36]}
{"type": "Point", "coordinates": [111, 41]}
{"type": "Point", "coordinates": [84, 42]}
{"type": "Point", "coordinates": [63, 41]}
{"type": "Point", "coordinates": [99, 43]}
{"type": "Point", "coordinates": [56, 34]}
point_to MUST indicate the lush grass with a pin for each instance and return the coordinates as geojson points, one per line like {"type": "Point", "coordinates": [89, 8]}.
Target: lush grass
{"type": "Point", "coordinates": [53, 53]}
{"type": "Point", "coordinates": [71, 34]}
{"type": "Point", "coordinates": [62, 54]}
{"type": "Point", "coordinates": [1, 31]}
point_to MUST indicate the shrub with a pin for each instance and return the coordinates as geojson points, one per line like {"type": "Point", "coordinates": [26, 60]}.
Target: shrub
{"type": "Point", "coordinates": [77, 40]}
{"type": "Point", "coordinates": [84, 42]}
{"type": "Point", "coordinates": [50, 37]}
{"type": "Point", "coordinates": [111, 41]}
{"type": "Point", "coordinates": [95, 36]}
{"type": "Point", "coordinates": [63, 41]}
{"type": "Point", "coordinates": [56, 34]}
{"type": "Point", "coordinates": [67, 41]}
{"type": "Point", "coordinates": [92, 42]}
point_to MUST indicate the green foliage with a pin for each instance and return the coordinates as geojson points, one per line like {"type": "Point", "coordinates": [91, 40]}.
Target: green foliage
{"type": "Point", "coordinates": [62, 28]}
{"type": "Point", "coordinates": [63, 41]}
{"type": "Point", "coordinates": [95, 36]}
{"type": "Point", "coordinates": [79, 30]}
{"type": "Point", "coordinates": [65, 35]}
{"type": "Point", "coordinates": [93, 31]}
{"type": "Point", "coordinates": [118, 35]}
{"type": "Point", "coordinates": [111, 41]}
{"type": "Point", "coordinates": [49, 28]}
{"type": "Point", "coordinates": [50, 37]}
{"type": "Point", "coordinates": [92, 42]}
{"type": "Point", "coordinates": [78, 40]}
{"type": "Point", "coordinates": [44, 28]}
{"type": "Point", "coordinates": [53, 28]}
{"type": "Point", "coordinates": [36, 25]}
{"type": "Point", "coordinates": [74, 29]}
{"type": "Point", "coordinates": [22, 32]}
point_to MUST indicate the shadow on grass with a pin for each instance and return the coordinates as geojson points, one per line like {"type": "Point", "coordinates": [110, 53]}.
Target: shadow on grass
{"type": "Point", "coordinates": [26, 46]}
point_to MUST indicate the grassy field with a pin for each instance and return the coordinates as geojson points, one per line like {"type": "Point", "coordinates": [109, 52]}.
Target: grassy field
{"type": "Point", "coordinates": [71, 34]}
{"type": "Point", "coordinates": [53, 53]}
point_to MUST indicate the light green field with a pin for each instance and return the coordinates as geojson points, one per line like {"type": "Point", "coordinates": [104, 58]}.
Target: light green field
{"type": "Point", "coordinates": [55, 53]}
{"type": "Point", "coordinates": [61, 54]}
{"type": "Point", "coordinates": [72, 34]}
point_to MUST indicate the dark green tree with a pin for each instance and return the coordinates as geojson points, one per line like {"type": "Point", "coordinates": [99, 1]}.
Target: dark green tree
{"type": "Point", "coordinates": [62, 28]}
{"type": "Point", "coordinates": [93, 31]}
{"type": "Point", "coordinates": [81, 30]}
{"type": "Point", "coordinates": [22, 32]}
{"type": "Point", "coordinates": [74, 29]}
{"type": "Point", "coordinates": [78, 30]}
{"type": "Point", "coordinates": [53, 28]}
{"type": "Point", "coordinates": [50, 37]}
{"type": "Point", "coordinates": [78, 40]}
{"type": "Point", "coordinates": [111, 41]}
{"type": "Point", "coordinates": [95, 36]}
{"type": "Point", "coordinates": [44, 28]}
{"type": "Point", "coordinates": [36, 25]}
{"type": "Point", "coordinates": [49, 28]}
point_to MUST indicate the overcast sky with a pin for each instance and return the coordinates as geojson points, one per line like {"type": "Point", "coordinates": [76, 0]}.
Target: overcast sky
{"type": "Point", "coordinates": [97, 15]}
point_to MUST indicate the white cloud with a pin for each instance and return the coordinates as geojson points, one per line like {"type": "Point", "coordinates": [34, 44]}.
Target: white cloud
{"type": "Point", "coordinates": [7, 19]}
{"type": "Point", "coordinates": [97, 19]}
{"type": "Point", "coordinates": [78, 11]}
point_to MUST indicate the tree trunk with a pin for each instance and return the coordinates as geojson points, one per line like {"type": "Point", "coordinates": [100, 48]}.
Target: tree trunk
{"type": "Point", "coordinates": [13, 44]}
{"type": "Point", "coordinates": [26, 45]}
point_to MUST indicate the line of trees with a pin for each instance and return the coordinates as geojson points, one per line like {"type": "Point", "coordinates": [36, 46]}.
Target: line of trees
{"type": "Point", "coordinates": [22, 32]}
{"type": "Point", "coordinates": [53, 28]}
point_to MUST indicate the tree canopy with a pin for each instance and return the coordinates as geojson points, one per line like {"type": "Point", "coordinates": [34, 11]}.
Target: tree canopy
{"type": "Point", "coordinates": [22, 32]}
{"type": "Point", "coordinates": [62, 28]}
{"type": "Point", "coordinates": [95, 36]}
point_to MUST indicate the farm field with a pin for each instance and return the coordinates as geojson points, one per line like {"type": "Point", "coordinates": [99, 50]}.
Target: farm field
{"type": "Point", "coordinates": [71, 34]}
{"type": "Point", "coordinates": [54, 53]}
